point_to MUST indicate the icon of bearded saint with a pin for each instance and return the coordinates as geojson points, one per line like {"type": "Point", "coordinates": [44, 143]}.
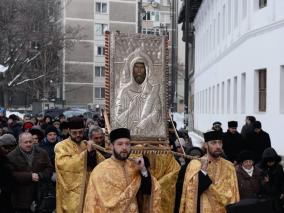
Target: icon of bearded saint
{"type": "Point", "coordinates": [138, 106]}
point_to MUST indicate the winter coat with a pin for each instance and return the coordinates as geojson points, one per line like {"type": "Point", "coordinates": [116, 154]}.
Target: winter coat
{"type": "Point", "coordinates": [233, 144]}
{"type": "Point", "coordinates": [49, 148]}
{"type": "Point", "coordinates": [249, 186]}
{"type": "Point", "coordinates": [24, 191]}
{"type": "Point", "coordinates": [15, 129]}
{"type": "Point", "coordinates": [275, 186]}
{"type": "Point", "coordinates": [5, 186]}
{"type": "Point", "coordinates": [258, 142]}
{"type": "Point", "coordinates": [246, 129]}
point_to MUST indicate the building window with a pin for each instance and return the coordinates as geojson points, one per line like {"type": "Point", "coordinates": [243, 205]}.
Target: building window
{"type": "Point", "coordinates": [245, 8]}
{"type": "Point", "coordinates": [262, 4]}
{"type": "Point", "coordinates": [210, 98]}
{"type": "Point", "coordinates": [222, 97]}
{"type": "Point", "coordinates": [100, 51]}
{"type": "Point", "coordinates": [101, 7]}
{"type": "Point", "coordinates": [243, 93]}
{"type": "Point", "coordinates": [35, 45]}
{"type": "Point", "coordinates": [236, 18]}
{"type": "Point", "coordinates": [261, 90]}
{"type": "Point", "coordinates": [235, 96]}
{"type": "Point", "coordinates": [282, 89]}
{"type": "Point", "coordinates": [213, 100]}
{"type": "Point", "coordinates": [99, 71]}
{"type": "Point", "coordinates": [152, 16]}
{"type": "Point", "coordinates": [219, 29]}
{"type": "Point", "coordinates": [151, 31]}
{"type": "Point", "coordinates": [224, 21]}
{"type": "Point", "coordinates": [99, 92]}
{"type": "Point", "coordinates": [218, 99]}
{"type": "Point", "coordinates": [101, 28]}
{"type": "Point", "coordinates": [229, 16]}
{"type": "Point", "coordinates": [36, 26]}
{"type": "Point", "coordinates": [228, 96]}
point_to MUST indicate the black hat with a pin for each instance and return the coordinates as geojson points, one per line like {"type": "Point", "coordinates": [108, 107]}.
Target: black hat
{"type": "Point", "coordinates": [119, 133]}
{"type": "Point", "coordinates": [257, 125]}
{"type": "Point", "coordinates": [50, 129]}
{"type": "Point", "coordinates": [37, 131]}
{"type": "Point", "coordinates": [170, 124]}
{"type": "Point", "coordinates": [195, 151]}
{"type": "Point", "coordinates": [217, 123]}
{"type": "Point", "coordinates": [14, 117]}
{"type": "Point", "coordinates": [76, 123]}
{"type": "Point", "coordinates": [246, 155]}
{"type": "Point", "coordinates": [212, 135]}
{"type": "Point", "coordinates": [64, 125]}
{"type": "Point", "coordinates": [233, 124]}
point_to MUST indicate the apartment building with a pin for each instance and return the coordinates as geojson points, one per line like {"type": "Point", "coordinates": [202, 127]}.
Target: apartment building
{"type": "Point", "coordinates": [83, 68]}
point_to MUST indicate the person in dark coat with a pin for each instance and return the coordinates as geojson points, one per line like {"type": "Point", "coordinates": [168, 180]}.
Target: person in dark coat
{"type": "Point", "coordinates": [64, 130]}
{"type": "Point", "coordinates": [233, 142]}
{"type": "Point", "coordinates": [250, 177]}
{"type": "Point", "coordinates": [37, 134]}
{"type": "Point", "coordinates": [7, 144]}
{"type": "Point", "coordinates": [217, 126]}
{"type": "Point", "coordinates": [49, 142]}
{"type": "Point", "coordinates": [248, 126]}
{"type": "Point", "coordinates": [257, 141]}
{"type": "Point", "coordinates": [30, 169]}
{"type": "Point", "coordinates": [14, 127]}
{"type": "Point", "coordinates": [270, 165]}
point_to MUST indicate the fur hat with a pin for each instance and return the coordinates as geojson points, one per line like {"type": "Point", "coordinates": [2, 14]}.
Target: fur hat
{"type": "Point", "coordinates": [232, 124]}
{"type": "Point", "coordinates": [119, 133]}
{"type": "Point", "coordinates": [246, 155]}
{"type": "Point", "coordinates": [212, 135]}
{"type": "Point", "coordinates": [257, 125]}
{"type": "Point", "coordinates": [76, 123]}
{"type": "Point", "coordinates": [50, 129]}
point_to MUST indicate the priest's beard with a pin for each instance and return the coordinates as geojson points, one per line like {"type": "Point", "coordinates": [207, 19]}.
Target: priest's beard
{"type": "Point", "coordinates": [123, 155]}
{"type": "Point", "coordinates": [77, 139]}
{"type": "Point", "coordinates": [215, 153]}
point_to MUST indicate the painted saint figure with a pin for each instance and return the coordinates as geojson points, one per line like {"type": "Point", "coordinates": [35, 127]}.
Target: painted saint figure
{"type": "Point", "coordinates": [138, 104]}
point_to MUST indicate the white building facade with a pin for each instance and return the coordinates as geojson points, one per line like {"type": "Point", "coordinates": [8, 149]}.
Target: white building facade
{"type": "Point", "coordinates": [239, 65]}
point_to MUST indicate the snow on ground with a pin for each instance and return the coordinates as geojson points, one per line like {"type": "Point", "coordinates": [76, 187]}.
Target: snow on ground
{"type": "Point", "coordinates": [20, 115]}
{"type": "Point", "coordinates": [3, 68]}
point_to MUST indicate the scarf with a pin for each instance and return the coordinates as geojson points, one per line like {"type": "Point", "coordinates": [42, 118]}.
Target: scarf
{"type": "Point", "coordinates": [248, 171]}
{"type": "Point", "coordinates": [29, 156]}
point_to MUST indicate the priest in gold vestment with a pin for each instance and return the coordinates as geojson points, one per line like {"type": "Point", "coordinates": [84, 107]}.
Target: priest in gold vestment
{"type": "Point", "coordinates": [210, 184]}
{"type": "Point", "coordinates": [165, 169]}
{"type": "Point", "coordinates": [74, 160]}
{"type": "Point", "coordinates": [120, 184]}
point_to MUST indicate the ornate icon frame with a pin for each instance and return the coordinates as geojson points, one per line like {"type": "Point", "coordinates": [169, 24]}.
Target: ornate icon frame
{"type": "Point", "coordinates": [120, 51]}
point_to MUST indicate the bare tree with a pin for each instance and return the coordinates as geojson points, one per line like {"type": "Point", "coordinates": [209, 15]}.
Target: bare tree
{"type": "Point", "coordinates": [31, 42]}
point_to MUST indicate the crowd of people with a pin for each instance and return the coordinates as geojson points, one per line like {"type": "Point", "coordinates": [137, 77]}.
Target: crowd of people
{"type": "Point", "coordinates": [51, 164]}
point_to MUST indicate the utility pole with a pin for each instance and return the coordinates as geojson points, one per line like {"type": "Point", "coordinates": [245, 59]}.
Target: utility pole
{"type": "Point", "coordinates": [139, 16]}
{"type": "Point", "coordinates": [186, 72]}
{"type": "Point", "coordinates": [174, 56]}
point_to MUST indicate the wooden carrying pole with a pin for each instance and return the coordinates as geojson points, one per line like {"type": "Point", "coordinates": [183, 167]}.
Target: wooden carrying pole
{"type": "Point", "coordinates": [183, 152]}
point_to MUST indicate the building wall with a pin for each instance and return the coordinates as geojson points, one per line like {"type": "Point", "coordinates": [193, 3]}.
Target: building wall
{"type": "Point", "coordinates": [81, 82]}
{"type": "Point", "coordinates": [227, 59]}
